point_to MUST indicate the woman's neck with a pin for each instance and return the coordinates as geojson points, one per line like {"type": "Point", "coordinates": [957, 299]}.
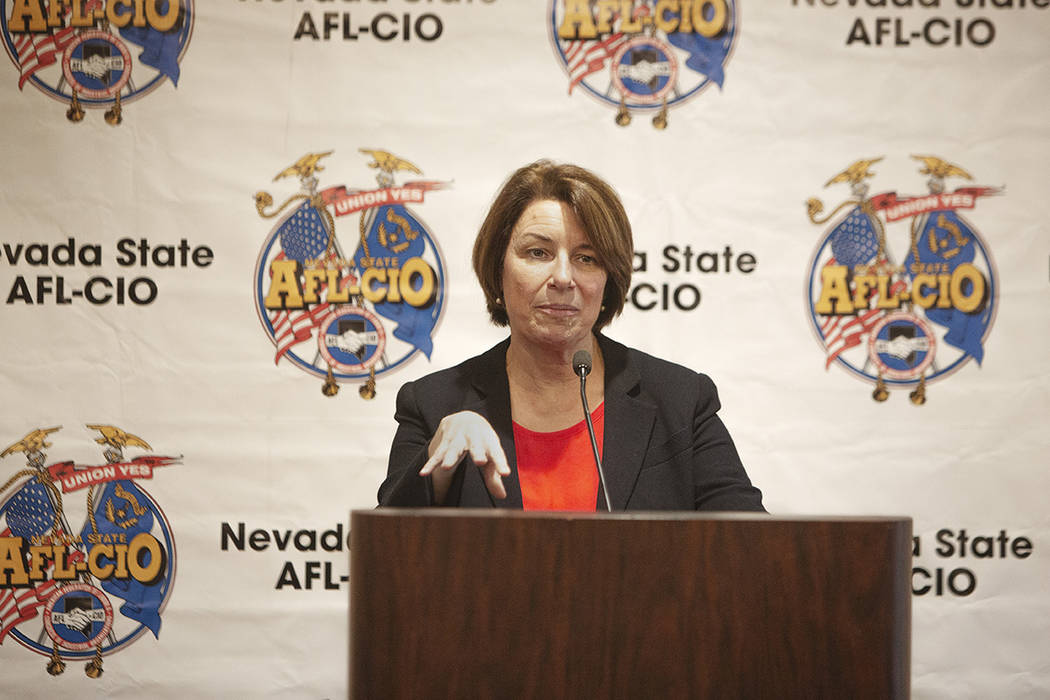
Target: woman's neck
{"type": "Point", "coordinates": [547, 364]}
{"type": "Point", "coordinates": [544, 389]}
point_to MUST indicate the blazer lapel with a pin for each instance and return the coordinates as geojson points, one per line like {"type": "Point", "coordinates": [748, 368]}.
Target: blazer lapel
{"type": "Point", "coordinates": [629, 422]}
{"type": "Point", "coordinates": [628, 425]}
{"type": "Point", "coordinates": [492, 400]}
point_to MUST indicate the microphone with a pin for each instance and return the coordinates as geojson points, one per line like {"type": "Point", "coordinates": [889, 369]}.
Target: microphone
{"type": "Point", "coordinates": [581, 366]}
{"type": "Point", "coordinates": [581, 363]}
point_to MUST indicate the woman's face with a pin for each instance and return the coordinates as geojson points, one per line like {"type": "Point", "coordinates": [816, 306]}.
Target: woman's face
{"type": "Point", "coordinates": [553, 282]}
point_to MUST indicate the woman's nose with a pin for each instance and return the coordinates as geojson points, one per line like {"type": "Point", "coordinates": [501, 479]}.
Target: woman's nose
{"type": "Point", "coordinates": [562, 274]}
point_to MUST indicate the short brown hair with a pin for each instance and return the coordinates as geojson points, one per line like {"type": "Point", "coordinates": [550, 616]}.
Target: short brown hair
{"type": "Point", "coordinates": [595, 204]}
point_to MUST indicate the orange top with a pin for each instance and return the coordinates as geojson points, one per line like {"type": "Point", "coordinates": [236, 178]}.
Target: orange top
{"type": "Point", "coordinates": [556, 470]}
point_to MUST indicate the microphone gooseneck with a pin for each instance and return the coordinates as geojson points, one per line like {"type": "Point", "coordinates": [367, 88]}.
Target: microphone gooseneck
{"type": "Point", "coordinates": [581, 366]}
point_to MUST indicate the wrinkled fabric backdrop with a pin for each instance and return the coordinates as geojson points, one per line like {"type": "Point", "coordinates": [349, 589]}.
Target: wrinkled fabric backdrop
{"type": "Point", "coordinates": [846, 199]}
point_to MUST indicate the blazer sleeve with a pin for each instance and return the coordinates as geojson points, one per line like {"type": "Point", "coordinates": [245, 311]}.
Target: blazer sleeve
{"type": "Point", "coordinates": [403, 486]}
{"type": "Point", "coordinates": [719, 480]}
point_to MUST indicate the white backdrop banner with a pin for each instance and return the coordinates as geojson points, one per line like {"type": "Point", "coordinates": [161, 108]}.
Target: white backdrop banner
{"type": "Point", "coordinates": [839, 215]}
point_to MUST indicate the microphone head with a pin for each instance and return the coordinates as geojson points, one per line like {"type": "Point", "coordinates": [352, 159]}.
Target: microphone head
{"type": "Point", "coordinates": [581, 363]}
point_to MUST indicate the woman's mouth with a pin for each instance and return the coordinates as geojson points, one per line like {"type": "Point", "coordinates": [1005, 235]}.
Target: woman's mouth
{"type": "Point", "coordinates": [559, 309]}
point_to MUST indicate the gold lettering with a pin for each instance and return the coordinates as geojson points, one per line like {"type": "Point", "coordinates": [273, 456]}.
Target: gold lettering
{"type": "Point", "coordinates": [864, 285]}
{"type": "Point", "coordinates": [417, 268]}
{"type": "Point", "coordinates": [54, 14]}
{"type": "Point", "coordinates": [337, 294]}
{"type": "Point", "coordinates": [39, 556]}
{"type": "Point", "coordinates": [140, 14]}
{"type": "Point", "coordinates": [834, 291]}
{"type": "Point", "coordinates": [148, 572]}
{"type": "Point", "coordinates": [663, 22]}
{"type": "Point", "coordinates": [64, 570]}
{"type": "Point", "coordinates": [98, 570]}
{"type": "Point", "coordinates": [78, 17]}
{"type": "Point", "coordinates": [313, 280]}
{"type": "Point", "coordinates": [12, 562]}
{"type": "Point", "coordinates": [686, 16]}
{"type": "Point", "coordinates": [578, 22]}
{"type": "Point", "coordinates": [967, 303]}
{"type": "Point", "coordinates": [120, 19]}
{"type": "Point", "coordinates": [165, 22]}
{"type": "Point", "coordinates": [284, 292]}
{"type": "Point", "coordinates": [27, 16]}
{"type": "Point", "coordinates": [886, 299]}
{"type": "Point", "coordinates": [371, 276]}
{"type": "Point", "coordinates": [394, 293]}
{"type": "Point", "coordinates": [629, 24]}
{"type": "Point", "coordinates": [605, 10]}
{"type": "Point", "coordinates": [120, 557]}
{"type": "Point", "coordinates": [716, 24]}
{"type": "Point", "coordinates": [944, 298]}
{"type": "Point", "coordinates": [921, 282]}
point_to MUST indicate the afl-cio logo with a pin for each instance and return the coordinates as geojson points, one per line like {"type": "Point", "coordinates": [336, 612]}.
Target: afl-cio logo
{"type": "Point", "coordinates": [349, 308]}
{"type": "Point", "coordinates": [643, 55]}
{"type": "Point", "coordinates": [902, 290]}
{"type": "Point", "coordinates": [96, 54]}
{"type": "Point", "coordinates": [79, 592]}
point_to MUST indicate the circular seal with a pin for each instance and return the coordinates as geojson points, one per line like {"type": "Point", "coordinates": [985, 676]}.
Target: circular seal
{"type": "Point", "coordinates": [78, 617]}
{"type": "Point", "coordinates": [644, 70]}
{"type": "Point", "coordinates": [305, 294]}
{"type": "Point", "coordinates": [924, 317]}
{"type": "Point", "coordinates": [149, 38]}
{"type": "Point", "coordinates": [663, 50]}
{"type": "Point", "coordinates": [351, 339]}
{"type": "Point", "coordinates": [97, 64]}
{"type": "Point", "coordinates": [902, 346]}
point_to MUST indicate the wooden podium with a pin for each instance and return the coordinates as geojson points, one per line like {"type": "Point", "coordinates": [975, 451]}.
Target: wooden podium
{"type": "Point", "coordinates": [496, 604]}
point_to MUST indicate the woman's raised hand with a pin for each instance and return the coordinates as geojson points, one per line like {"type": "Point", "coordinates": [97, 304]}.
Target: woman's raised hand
{"type": "Point", "coordinates": [458, 435]}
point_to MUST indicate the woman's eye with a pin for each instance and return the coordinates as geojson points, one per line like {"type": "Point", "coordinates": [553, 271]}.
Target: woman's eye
{"type": "Point", "coordinates": [537, 253]}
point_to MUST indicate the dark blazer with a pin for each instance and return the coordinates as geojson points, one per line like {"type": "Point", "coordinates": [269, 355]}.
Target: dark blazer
{"type": "Point", "coordinates": [664, 447]}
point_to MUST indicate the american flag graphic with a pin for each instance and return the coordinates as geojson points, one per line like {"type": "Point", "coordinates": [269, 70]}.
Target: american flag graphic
{"type": "Point", "coordinates": [303, 236]}
{"type": "Point", "coordinates": [18, 605]}
{"type": "Point", "coordinates": [293, 327]}
{"type": "Point", "coordinates": [36, 51]}
{"type": "Point", "coordinates": [582, 58]}
{"type": "Point", "coordinates": [29, 512]}
{"type": "Point", "coordinates": [586, 57]}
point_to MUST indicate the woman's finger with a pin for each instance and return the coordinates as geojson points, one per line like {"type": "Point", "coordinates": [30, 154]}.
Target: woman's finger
{"type": "Point", "coordinates": [492, 480]}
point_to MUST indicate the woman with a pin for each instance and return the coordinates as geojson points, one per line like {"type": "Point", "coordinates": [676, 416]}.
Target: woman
{"type": "Point", "coordinates": [506, 428]}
